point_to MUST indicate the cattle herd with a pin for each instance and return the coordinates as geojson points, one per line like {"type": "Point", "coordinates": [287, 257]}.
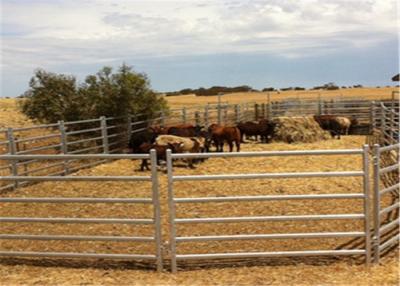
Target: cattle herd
{"type": "Point", "coordinates": [188, 138]}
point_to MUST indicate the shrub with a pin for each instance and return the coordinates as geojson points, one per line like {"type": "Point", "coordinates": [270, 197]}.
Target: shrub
{"type": "Point", "coordinates": [54, 97]}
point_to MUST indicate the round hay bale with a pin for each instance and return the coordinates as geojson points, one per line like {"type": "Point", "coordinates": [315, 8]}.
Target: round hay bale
{"type": "Point", "coordinates": [298, 129]}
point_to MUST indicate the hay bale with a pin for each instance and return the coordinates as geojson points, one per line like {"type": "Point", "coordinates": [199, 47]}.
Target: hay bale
{"type": "Point", "coordinates": [298, 129]}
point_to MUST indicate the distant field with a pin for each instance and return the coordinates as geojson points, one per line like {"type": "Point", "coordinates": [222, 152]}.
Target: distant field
{"type": "Point", "coordinates": [369, 93]}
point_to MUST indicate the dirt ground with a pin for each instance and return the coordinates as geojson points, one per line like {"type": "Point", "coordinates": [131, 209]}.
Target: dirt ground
{"type": "Point", "coordinates": [307, 271]}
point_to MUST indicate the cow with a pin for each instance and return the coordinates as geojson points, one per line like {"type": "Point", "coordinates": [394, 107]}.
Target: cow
{"type": "Point", "coordinates": [336, 125]}
{"type": "Point", "coordinates": [182, 130]}
{"type": "Point", "coordinates": [138, 138]}
{"type": "Point", "coordinates": [161, 150]}
{"type": "Point", "coordinates": [220, 134]}
{"type": "Point", "coordinates": [249, 128]}
{"type": "Point", "coordinates": [185, 145]}
{"type": "Point", "coordinates": [267, 129]}
{"type": "Point", "coordinates": [344, 123]}
{"type": "Point", "coordinates": [263, 128]}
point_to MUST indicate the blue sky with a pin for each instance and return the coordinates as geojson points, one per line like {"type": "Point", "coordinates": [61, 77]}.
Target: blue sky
{"type": "Point", "coordinates": [181, 44]}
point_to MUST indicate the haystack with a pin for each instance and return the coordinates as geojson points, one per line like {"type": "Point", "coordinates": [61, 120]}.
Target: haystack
{"type": "Point", "coordinates": [298, 129]}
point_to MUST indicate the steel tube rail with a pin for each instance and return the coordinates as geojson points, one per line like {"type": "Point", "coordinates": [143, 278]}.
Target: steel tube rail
{"type": "Point", "coordinates": [86, 149]}
{"type": "Point", "coordinates": [268, 198]}
{"type": "Point", "coordinates": [388, 226]}
{"type": "Point", "coordinates": [75, 237]}
{"type": "Point", "coordinates": [74, 178]}
{"type": "Point", "coordinates": [76, 200]}
{"type": "Point", "coordinates": [389, 148]}
{"type": "Point", "coordinates": [84, 140]}
{"type": "Point", "coordinates": [87, 165]}
{"type": "Point", "coordinates": [389, 169]}
{"type": "Point", "coordinates": [76, 255]}
{"type": "Point", "coordinates": [41, 169]}
{"type": "Point", "coordinates": [389, 209]}
{"type": "Point", "coordinates": [377, 200]}
{"type": "Point", "coordinates": [267, 153]}
{"type": "Point", "coordinates": [156, 210]}
{"type": "Point", "coordinates": [83, 131]}
{"type": "Point", "coordinates": [269, 236]}
{"type": "Point", "coordinates": [365, 158]}
{"type": "Point", "coordinates": [391, 188]}
{"type": "Point", "coordinates": [171, 212]}
{"type": "Point", "coordinates": [77, 220]}
{"type": "Point", "coordinates": [71, 157]}
{"type": "Point", "coordinates": [37, 138]}
{"type": "Point", "coordinates": [39, 149]}
{"type": "Point", "coordinates": [81, 121]}
{"type": "Point", "coordinates": [389, 242]}
{"type": "Point", "coordinates": [268, 176]}
{"type": "Point", "coordinates": [268, 218]}
{"type": "Point", "coordinates": [269, 254]}
{"type": "Point", "coordinates": [35, 127]}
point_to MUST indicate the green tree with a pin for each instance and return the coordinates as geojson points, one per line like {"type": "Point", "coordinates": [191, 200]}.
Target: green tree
{"type": "Point", "coordinates": [53, 97]}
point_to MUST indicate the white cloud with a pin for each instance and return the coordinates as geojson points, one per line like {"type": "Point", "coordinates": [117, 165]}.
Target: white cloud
{"type": "Point", "coordinates": [51, 33]}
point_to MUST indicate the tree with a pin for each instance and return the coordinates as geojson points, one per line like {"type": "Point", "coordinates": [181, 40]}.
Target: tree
{"type": "Point", "coordinates": [53, 97]}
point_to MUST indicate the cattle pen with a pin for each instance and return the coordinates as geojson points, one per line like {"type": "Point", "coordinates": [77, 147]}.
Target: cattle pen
{"type": "Point", "coordinates": [172, 222]}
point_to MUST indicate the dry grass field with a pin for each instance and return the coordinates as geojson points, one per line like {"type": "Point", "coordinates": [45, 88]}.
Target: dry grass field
{"type": "Point", "coordinates": [310, 271]}
{"type": "Point", "coordinates": [234, 98]}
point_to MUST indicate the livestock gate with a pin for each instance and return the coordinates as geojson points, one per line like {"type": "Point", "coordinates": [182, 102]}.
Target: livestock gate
{"type": "Point", "coordinates": [55, 152]}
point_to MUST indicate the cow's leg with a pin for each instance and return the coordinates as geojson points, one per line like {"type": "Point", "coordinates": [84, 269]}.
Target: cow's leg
{"type": "Point", "coordinates": [237, 146]}
{"type": "Point", "coordinates": [230, 143]}
{"type": "Point", "coordinates": [144, 165]}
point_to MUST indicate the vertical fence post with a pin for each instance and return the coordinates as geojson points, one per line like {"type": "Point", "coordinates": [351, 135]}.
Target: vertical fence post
{"type": "Point", "coordinates": [366, 204]}
{"type": "Point", "coordinates": [64, 145]}
{"type": "Point", "coordinates": [269, 113]}
{"type": "Point", "coordinates": [183, 115]}
{"type": "Point", "coordinates": [382, 121]}
{"type": "Point", "coordinates": [372, 116]}
{"type": "Point", "coordinates": [197, 118]}
{"type": "Point", "coordinates": [206, 121]}
{"type": "Point", "coordinates": [219, 115]}
{"type": "Point", "coordinates": [172, 213]}
{"type": "Point", "coordinates": [263, 107]}
{"type": "Point", "coordinates": [226, 114]}
{"type": "Point", "coordinates": [156, 209]}
{"type": "Point", "coordinates": [12, 149]}
{"type": "Point", "coordinates": [376, 200]}
{"type": "Point", "coordinates": [129, 125]}
{"type": "Point", "coordinates": [237, 113]}
{"type": "Point", "coordinates": [392, 126]}
{"type": "Point", "coordinates": [319, 104]}
{"type": "Point", "coordinates": [104, 132]}
{"type": "Point", "coordinates": [256, 115]}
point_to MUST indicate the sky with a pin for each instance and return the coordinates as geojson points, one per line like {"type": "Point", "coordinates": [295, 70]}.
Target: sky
{"type": "Point", "coordinates": [191, 44]}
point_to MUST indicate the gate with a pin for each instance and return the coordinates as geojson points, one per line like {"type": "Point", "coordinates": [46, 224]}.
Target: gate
{"type": "Point", "coordinates": [152, 200]}
{"type": "Point", "coordinates": [176, 218]}
{"type": "Point", "coordinates": [386, 183]}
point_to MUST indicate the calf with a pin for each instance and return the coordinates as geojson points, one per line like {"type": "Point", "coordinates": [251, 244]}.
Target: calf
{"type": "Point", "coordinates": [220, 134]}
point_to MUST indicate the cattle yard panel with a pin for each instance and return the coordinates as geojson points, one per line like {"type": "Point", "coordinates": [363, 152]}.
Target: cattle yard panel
{"type": "Point", "coordinates": [152, 199]}
{"type": "Point", "coordinates": [173, 201]}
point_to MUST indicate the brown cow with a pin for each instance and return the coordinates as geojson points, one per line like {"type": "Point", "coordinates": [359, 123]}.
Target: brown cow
{"type": "Point", "coordinates": [220, 134]}
{"type": "Point", "coordinates": [160, 150]}
{"type": "Point", "coordinates": [248, 128]}
{"type": "Point", "coordinates": [336, 125]}
{"type": "Point", "coordinates": [182, 130]}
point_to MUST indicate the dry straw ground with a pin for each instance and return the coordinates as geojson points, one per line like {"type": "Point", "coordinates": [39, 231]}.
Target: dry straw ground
{"type": "Point", "coordinates": [294, 272]}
